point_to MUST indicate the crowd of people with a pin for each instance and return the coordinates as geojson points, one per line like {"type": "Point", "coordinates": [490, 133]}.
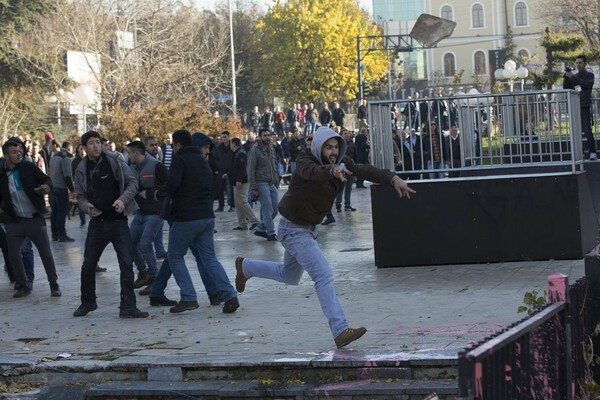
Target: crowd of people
{"type": "Point", "coordinates": [123, 197]}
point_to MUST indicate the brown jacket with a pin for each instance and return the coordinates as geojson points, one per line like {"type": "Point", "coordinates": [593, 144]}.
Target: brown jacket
{"type": "Point", "coordinates": [313, 189]}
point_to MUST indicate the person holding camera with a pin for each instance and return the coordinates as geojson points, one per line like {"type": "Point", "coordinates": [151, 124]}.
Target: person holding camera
{"type": "Point", "coordinates": [583, 82]}
{"type": "Point", "coordinates": [22, 189]}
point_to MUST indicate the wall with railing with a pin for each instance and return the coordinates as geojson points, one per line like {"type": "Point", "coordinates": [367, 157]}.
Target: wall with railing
{"type": "Point", "coordinates": [415, 137]}
{"type": "Point", "coordinates": [547, 356]}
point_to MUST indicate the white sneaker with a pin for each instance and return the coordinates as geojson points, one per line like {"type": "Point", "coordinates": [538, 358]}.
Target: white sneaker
{"type": "Point", "coordinates": [593, 156]}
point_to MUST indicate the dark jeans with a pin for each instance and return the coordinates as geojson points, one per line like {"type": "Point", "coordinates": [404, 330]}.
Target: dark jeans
{"type": "Point", "coordinates": [26, 253]}
{"type": "Point", "coordinates": [34, 229]}
{"type": "Point", "coordinates": [223, 187]}
{"type": "Point", "coordinates": [346, 193]}
{"type": "Point", "coordinates": [82, 215]}
{"type": "Point", "coordinates": [59, 201]}
{"type": "Point", "coordinates": [586, 128]}
{"type": "Point", "coordinates": [100, 234]}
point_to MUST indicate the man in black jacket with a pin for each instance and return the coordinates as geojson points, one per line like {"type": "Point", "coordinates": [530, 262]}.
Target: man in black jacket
{"type": "Point", "coordinates": [224, 157]}
{"type": "Point", "coordinates": [189, 184]}
{"type": "Point", "coordinates": [238, 178]}
{"type": "Point", "coordinates": [347, 192]}
{"type": "Point", "coordinates": [22, 189]}
{"type": "Point", "coordinates": [338, 114]}
{"type": "Point", "coordinates": [583, 82]}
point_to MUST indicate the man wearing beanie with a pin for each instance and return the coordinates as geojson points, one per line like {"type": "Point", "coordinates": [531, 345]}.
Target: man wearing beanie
{"type": "Point", "coordinates": [189, 184]}
{"type": "Point", "coordinates": [320, 173]}
{"type": "Point", "coordinates": [157, 295]}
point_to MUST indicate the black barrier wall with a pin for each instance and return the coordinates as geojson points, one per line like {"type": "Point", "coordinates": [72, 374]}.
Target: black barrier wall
{"type": "Point", "coordinates": [490, 219]}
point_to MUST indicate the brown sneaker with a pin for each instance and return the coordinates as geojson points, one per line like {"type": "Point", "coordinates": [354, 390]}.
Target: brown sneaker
{"type": "Point", "coordinates": [349, 336]}
{"type": "Point", "coordinates": [240, 279]}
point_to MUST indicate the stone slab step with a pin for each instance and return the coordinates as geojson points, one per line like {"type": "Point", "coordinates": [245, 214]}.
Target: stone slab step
{"type": "Point", "coordinates": [350, 390]}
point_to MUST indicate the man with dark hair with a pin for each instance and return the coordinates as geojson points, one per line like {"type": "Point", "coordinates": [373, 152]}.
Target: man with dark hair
{"type": "Point", "coordinates": [62, 178]}
{"type": "Point", "coordinates": [338, 114]}
{"type": "Point", "coordinates": [224, 157]}
{"type": "Point", "coordinates": [22, 189]}
{"type": "Point", "coordinates": [263, 179]}
{"type": "Point", "coordinates": [312, 191]}
{"type": "Point", "coordinates": [189, 184]}
{"type": "Point", "coordinates": [238, 178]}
{"type": "Point", "coordinates": [105, 188]}
{"type": "Point", "coordinates": [166, 150]}
{"type": "Point", "coordinates": [583, 82]}
{"type": "Point", "coordinates": [151, 174]}
{"type": "Point", "coordinates": [347, 192]}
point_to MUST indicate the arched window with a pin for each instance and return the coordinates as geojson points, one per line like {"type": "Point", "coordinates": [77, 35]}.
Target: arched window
{"type": "Point", "coordinates": [449, 65]}
{"type": "Point", "coordinates": [521, 18]}
{"type": "Point", "coordinates": [447, 13]}
{"type": "Point", "coordinates": [479, 63]}
{"type": "Point", "coordinates": [477, 17]}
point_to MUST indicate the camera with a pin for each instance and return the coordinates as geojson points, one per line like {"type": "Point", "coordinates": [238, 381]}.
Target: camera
{"type": "Point", "coordinates": [568, 69]}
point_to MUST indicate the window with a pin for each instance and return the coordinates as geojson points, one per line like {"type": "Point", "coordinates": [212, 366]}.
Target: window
{"type": "Point", "coordinates": [447, 13]}
{"type": "Point", "coordinates": [477, 18]}
{"type": "Point", "coordinates": [479, 63]}
{"type": "Point", "coordinates": [449, 65]}
{"type": "Point", "coordinates": [521, 14]}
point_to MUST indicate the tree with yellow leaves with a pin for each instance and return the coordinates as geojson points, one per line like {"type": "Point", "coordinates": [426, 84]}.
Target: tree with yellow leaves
{"type": "Point", "coordinates": [306, 50]}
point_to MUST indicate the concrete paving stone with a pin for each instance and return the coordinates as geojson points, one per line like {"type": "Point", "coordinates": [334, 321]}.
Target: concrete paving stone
{"type": "Point", "coordinates": [154, 388]}
{"type": "Point", "coordinates": [62, 393]}
{"type": "Point", "coordinates": [169, 374]}
{"type": "Point", "coordinates": [406, 310]}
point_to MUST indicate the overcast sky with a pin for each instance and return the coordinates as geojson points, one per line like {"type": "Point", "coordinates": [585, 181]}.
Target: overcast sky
{"type": "Point", "coordinates": [209, 4]}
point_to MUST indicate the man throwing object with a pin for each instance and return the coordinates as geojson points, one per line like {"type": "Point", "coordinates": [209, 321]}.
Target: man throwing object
{"type": "Point", "coordinates": [320, 173]}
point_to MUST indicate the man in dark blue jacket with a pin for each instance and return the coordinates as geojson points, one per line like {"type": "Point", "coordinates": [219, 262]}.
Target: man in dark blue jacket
{"type": "Point", "coordinates": [189, 184]}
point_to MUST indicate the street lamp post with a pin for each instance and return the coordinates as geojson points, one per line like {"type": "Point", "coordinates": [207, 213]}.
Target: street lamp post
{"type": "Point", "coordinates": [233, 88]}
{"type": "Point", "coordinates": [84, 95]}
{"type": "Point", "coordinates": [510, 72]}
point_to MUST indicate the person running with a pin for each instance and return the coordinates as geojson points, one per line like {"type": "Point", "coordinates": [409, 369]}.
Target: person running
{"type": "Point", "coordinates": [313, 188]}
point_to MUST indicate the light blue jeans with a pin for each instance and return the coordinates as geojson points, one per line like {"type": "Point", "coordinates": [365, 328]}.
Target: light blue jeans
{"type": "Point", "coordinates": [302, 253]}
{"type": "Point", "coordinates": [268, 197]}
{"type": "Point", "coordinates": [199, 234]}
{"type": "Point", "coordinates": [436, 165]}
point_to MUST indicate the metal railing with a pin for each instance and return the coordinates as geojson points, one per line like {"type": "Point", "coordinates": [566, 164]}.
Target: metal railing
{"type": "Point", "coordinates": [508, 130]}
{"type": "Point", "coordinates": [546, 356]}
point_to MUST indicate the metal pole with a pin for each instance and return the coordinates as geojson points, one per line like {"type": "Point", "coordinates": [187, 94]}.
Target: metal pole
{"type": "Point", "coordinates": [234, 96]}
{"type": "Point", "coordinates": [84, 120]}
{"type": "Point", "coordinates": [389, 77]}
{"type": "Point", "coordinates": [360, 85]}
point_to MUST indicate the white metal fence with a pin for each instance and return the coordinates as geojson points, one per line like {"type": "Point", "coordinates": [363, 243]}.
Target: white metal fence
{"type": "Point", "coordinates": [518, 129]}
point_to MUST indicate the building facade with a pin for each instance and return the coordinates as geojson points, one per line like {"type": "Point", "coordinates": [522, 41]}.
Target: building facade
{"type": "Point", "coordinates": [470, 56]}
